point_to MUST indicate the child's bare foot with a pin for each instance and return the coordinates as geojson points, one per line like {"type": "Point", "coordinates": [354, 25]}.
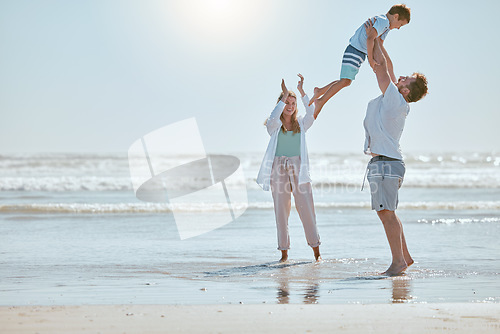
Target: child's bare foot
{"type": "Point", "coordinates": [284, 255]}
{"type": "Point", "coordinates": [318, 105]}
{"type": "Point", "coordinates": [395, 269]}
{"type": "Point", "coordinates": [315, 96]}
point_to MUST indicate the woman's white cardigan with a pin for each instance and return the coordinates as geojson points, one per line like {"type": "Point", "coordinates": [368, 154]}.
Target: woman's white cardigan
{"type": "Point", "coordinates": [273, 127]}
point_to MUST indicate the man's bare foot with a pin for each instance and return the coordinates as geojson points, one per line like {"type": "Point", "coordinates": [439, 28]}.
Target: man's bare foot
{"type": "Point", "coordinates": [318, 105]}
{"type": "Point", "coordinates": [395, 269]}
{"type": "Point", "coordinates": [315, 96]}
{"type": "Point", "coordinates": [284, 255]}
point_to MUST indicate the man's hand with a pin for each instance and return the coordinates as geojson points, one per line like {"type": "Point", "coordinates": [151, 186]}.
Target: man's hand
{"type": "Point", "coordinates": [369, 26]}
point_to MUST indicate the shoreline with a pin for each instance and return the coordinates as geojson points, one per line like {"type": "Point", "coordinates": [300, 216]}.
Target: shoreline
{"type": "Point", "coordinates": [265, 318]}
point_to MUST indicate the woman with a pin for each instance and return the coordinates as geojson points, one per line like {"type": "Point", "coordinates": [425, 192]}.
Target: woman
{"type": "Point", "coordinates": [285, 168]}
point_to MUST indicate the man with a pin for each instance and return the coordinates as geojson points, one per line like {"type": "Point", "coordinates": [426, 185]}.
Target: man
{"type": "Point", "coordinates": [384, 123]}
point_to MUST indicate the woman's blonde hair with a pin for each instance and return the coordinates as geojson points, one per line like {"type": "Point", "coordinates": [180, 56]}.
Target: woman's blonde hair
{"type": "Point", "coordinates": [295, 124]}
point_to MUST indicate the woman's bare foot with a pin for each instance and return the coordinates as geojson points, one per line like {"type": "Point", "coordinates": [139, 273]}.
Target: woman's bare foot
{"type": "Point", "coordinates": [315, 96]}
{"type": "Point", "coordinates": [318, 105]}
{"type": "Point", "coordinates": [284, 255]}
{"type": "Point", "coordinates": [395, 269]}
{"type": "Point", "coordinates": [317, 255]}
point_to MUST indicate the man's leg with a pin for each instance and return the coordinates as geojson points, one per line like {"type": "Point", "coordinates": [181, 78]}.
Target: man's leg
{"type": "Point", "coordinates": [385, 178]}
{"type": "Point", "coordinates": [394, 232]}
{"type": "Point", "coordinates": [408, 259]}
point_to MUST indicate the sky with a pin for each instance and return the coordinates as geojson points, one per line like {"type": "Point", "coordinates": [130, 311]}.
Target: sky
{"type": "Point", "coordinates": [96, 75]}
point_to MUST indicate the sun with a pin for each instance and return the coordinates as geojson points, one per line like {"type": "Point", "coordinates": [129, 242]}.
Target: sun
{"type": "Point", "coordinates": [217, 21]}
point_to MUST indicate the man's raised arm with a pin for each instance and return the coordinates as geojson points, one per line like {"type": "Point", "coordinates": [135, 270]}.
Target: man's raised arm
{"type": "Point", "coordinates": [381, 70]}
{"type": "Point", "coordinates": [390, 67]}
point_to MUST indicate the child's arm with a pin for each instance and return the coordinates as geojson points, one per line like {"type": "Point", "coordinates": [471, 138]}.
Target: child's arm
{"type": "Point", "coordinates": [390, 68]}
{"type": "Point", "coordinates": [371, 35]}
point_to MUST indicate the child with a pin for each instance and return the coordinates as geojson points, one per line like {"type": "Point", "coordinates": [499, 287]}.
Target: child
{"type": "Point", "coordinates": [360, 46]}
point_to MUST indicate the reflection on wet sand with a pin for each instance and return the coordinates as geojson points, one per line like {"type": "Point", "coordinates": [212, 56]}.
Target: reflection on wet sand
{"type": "Point", "coordinates": [401, 290]}
{"type": "Point", "coordinates": [283, 295]}
{"type": "Point", "coordinates": [306, 281]}
{"type": "Point", "coordinates": [310, 292]}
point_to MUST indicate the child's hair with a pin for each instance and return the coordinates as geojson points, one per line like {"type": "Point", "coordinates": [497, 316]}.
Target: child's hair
{"type": "Point", "coordinates": [295, 123]}
{"type": "Point", "coordinates": [418, 88]}
{"type": "Point", "coordinates": [402, 11]}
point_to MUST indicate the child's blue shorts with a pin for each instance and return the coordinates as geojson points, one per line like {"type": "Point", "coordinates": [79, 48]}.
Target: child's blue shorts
{"type": "Point", "coordinates": [351, 62]}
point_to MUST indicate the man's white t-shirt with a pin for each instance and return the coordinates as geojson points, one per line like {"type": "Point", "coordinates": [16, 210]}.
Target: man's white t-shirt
{"type": "Point", "coordinates": [384, 123]}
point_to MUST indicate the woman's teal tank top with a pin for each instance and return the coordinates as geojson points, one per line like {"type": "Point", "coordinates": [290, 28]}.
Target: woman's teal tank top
{"type": "Point", "coordinates": [288, 144]}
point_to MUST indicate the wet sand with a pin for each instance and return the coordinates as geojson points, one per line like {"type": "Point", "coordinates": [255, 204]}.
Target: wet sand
{"type": "Point", "coordinates": [266, 318]}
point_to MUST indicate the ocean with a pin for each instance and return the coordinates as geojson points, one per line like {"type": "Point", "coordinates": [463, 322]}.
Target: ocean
{"type": "Point", "coordinates": [73, 232]}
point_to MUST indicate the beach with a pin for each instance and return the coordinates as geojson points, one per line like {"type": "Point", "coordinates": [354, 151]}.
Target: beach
{"type": "Point", "coordinates": [129, 161]}
{"type": "Point", "coordinates": [404, 318]}
{"type": "Point", "coordinates": [79, 252]}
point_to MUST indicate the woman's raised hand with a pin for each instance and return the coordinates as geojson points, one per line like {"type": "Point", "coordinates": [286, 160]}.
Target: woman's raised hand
{"type": "Point", "coordinates": [300, 84]}
{"type": "Point", "coordinates": [284, 90]}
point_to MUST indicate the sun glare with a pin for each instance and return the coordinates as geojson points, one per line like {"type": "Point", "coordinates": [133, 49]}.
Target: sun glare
{"type": "Point", "coordinates": [217, 21]}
